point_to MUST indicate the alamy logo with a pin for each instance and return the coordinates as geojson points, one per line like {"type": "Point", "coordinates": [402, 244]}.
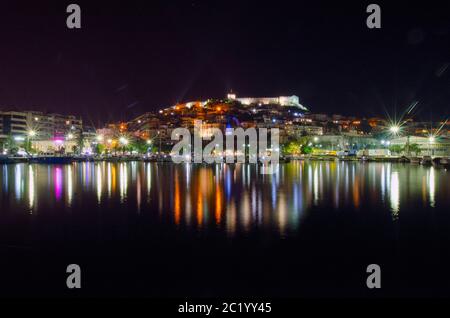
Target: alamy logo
{"type": "Point", "coordinates": [74, 279]}
{"type": "Point", "coordinates": [73, 21]}
{"type": "Point", "coordinates": [374, 279]}
{"type": "Point", "coordinates": [237, 148]}
{"type": "Point", "coordinates": [374, 19]}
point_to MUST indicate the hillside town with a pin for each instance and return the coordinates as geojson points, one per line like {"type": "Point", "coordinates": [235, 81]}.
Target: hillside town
{"type": "Point", "coordinates": [301, 131]}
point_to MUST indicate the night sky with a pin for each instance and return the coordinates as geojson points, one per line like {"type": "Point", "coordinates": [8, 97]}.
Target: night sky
{"type": "Point", "coordinates": [131, 57]}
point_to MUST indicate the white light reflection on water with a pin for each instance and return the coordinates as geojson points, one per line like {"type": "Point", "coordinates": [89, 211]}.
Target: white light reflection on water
{"type": "Point", "coordinates": [31, 189]}
{"type": "Point", "coordinates": [316, 185]}
{"type": "Point", "coordinates": [18, 181]}
{"type": "Point", "coordinates": [99, 183]}
{"type": "Point", "coordinates": [431, 187]}
{"type": "Point", "coordinates": [395, 194]}
{"type": "Point", "coordinates": [123, 181]}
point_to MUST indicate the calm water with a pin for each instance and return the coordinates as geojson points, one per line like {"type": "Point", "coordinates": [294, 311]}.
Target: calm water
{"type": "Point", "coordinates": [153, 229]}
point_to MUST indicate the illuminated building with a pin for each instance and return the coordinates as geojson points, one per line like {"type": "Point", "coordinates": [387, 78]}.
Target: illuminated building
{"type": "Point", "coordinates": [45, 126]}
{"type": "Point", "coordinates": [432, 146]}
{"type": "Point", "coordinates": [292, 101]}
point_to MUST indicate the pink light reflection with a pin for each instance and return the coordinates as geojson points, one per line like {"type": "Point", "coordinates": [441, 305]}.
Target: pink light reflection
{"type": "Point", "coordinates": [58, 183]}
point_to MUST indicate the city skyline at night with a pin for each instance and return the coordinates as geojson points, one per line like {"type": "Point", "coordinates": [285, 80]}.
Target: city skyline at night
{"type": "Point", "coordinates": [224, 156]}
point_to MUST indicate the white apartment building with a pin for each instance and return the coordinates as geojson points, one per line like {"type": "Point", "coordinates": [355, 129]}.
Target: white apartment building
{"type": "Point", "coordinates": [41, 125]}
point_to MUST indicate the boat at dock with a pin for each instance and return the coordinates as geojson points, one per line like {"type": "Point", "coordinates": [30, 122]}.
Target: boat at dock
{"type": "Point", "coordinates": [51, 159]}
{"type": "Point", "coordinates": [12, 159]}
{"type": "Point", "coordinates": [426, 161]}
{"type": "Point", "coordinates": [441, 162]}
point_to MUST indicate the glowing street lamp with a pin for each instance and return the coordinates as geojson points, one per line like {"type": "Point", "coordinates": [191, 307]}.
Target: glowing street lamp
{"type": "Point", "coordinates": [32, 133]}
{"type": "Point", "coordinates": [149, 142]}
{"type": "Point", "coordinates": [394, 129]}
{"type": "Point", "coordinates": [123, 141]}
{"type": "Point", "coordinates": [99, 138]}
{"type": "Point", "coordinates": [431, 139]}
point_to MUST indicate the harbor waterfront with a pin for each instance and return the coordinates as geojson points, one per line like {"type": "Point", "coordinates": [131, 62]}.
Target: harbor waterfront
{"type": "Point", "coordinates": [164, 229]}
{"type": "Point", "coordinates": [208, 157]}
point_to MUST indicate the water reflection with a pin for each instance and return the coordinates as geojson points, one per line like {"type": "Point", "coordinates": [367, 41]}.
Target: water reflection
{"type": "Point", "coordinates": [431, 187]}
{"type": "Point", "coordinates": [395, 194]}
{"type": "Point", "coordinates": [232, 198]}
{"type": "Point", "coordinates": [58, 183]}
{"type": "Point", "coordinates": [18, 181]}
{"type": "Point", "coordinates": [31, 190]}
{"type": "Point", "coordinates": [69, 184]}
{"type": "Point", "coordinates": [99, 183]}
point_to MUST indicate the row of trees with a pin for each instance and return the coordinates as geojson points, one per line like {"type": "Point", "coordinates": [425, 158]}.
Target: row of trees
{"type": "Point", "coordinates": [399, 149]}
{"type": "Point", "coordinates": [137, 145]}
{"type": "Point", "coordinates": [302, 146]}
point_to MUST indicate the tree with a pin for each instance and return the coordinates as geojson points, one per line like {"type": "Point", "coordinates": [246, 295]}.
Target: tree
{"type": "Point", "coordinates": [306, 149]}
{"type": "Point", "coordinates": [140, 146]}
{"type": "Point", "coordinates": [80, 142]}
{"type": "Point", "coordinates": [11, 145]}
{"type": "Point", "coordinates": [297, 146]}
{"type": "Point", "coordinates": [292, 148]}
{"type": "Point", "coordinates": [99, 149]}
{"type": "Point", "coordinates": [396, 148]}
{"type": "Point", "coordinates": [415, 148]}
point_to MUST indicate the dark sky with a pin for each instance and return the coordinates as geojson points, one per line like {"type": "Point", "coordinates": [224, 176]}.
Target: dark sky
{"type": "Point", "coordinates": [130, 57]}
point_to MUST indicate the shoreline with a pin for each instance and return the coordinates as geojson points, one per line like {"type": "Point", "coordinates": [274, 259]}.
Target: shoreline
{"type": "Point", "coordinates": [437, 162]}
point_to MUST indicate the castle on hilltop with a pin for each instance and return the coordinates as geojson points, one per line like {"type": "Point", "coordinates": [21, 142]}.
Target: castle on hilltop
{"type": "Point", "coordinates": [292, 101]}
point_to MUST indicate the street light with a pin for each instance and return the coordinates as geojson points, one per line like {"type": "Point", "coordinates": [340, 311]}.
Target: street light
{"type": "Point", "coordinates": [123, 141]}
{"type": "Point", "coordinates": [394, 129]}
{"type": "Point", "coordinates": [32, 133]}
